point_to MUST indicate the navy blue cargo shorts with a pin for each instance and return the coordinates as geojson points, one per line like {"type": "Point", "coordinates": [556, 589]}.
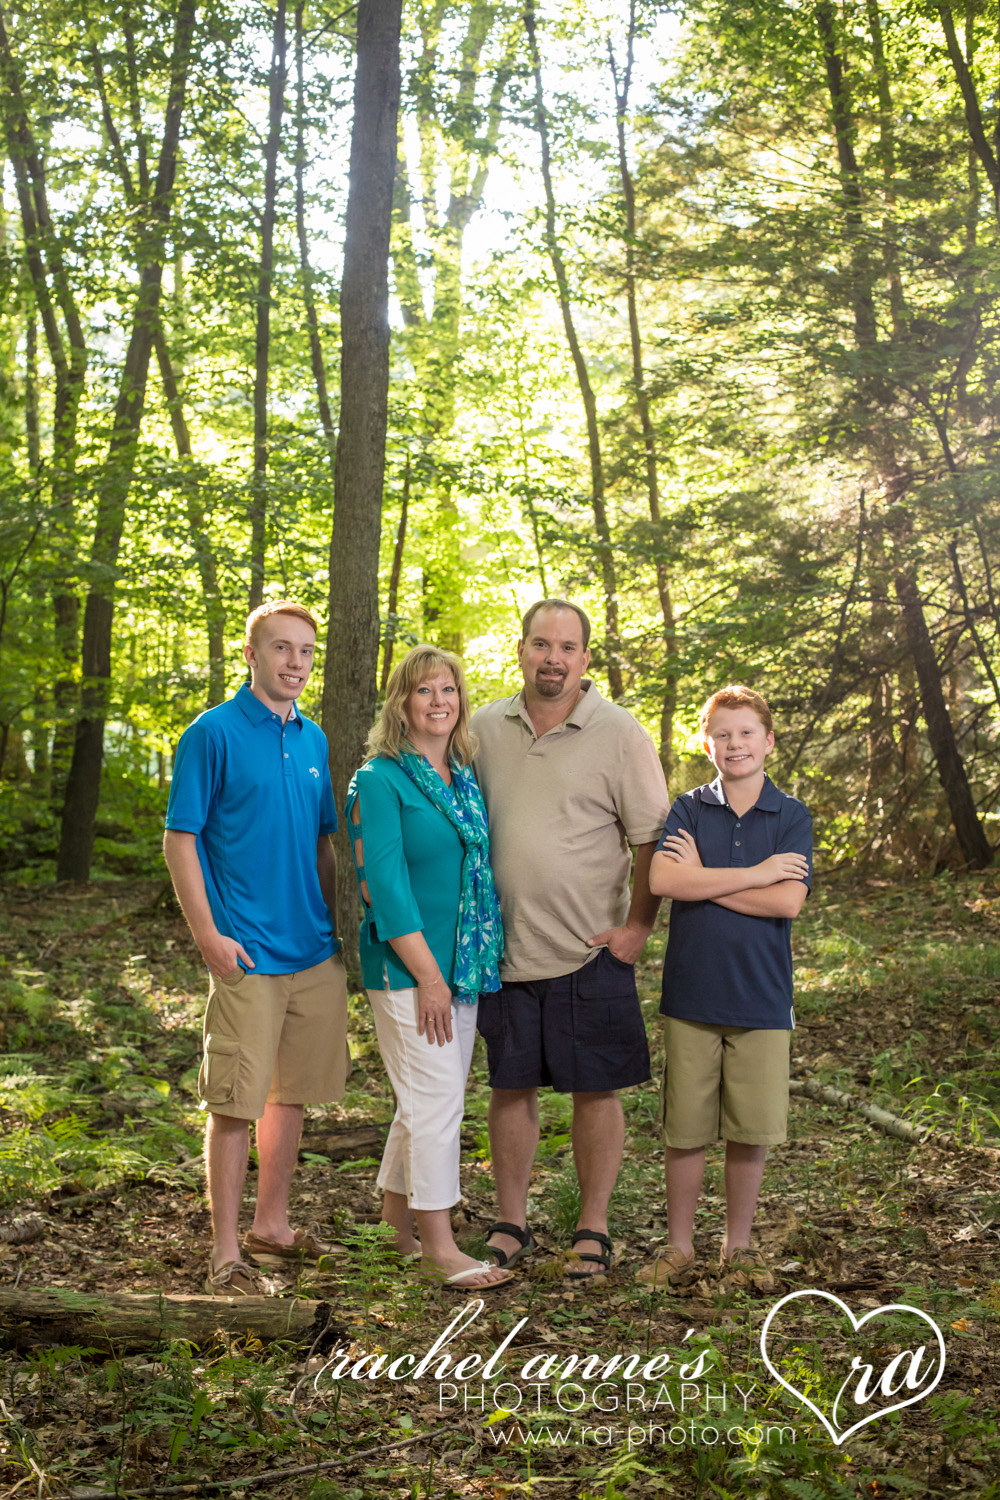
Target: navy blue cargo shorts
{"type": "Point", "coordinates": [578, 1033]}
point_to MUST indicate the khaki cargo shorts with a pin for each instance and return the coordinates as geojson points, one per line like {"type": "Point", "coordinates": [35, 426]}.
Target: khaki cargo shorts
{"type": "Point", "coordinates": [275, 1038]}
{"type": "Point", "coordinates": [728, 1082]}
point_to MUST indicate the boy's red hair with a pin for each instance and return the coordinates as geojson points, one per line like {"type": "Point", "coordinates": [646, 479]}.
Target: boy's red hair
{"type": "Point", "coordinates": [280, 607]}
{"type": "Point", "coordinates": [736, 696]}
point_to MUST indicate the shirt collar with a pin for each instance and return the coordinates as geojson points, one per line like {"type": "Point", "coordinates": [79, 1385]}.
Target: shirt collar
{"type": "Point", "coordinates": [583, 709]}
{"type": "Point", "coordinates": [259, 713]}
{"type": "Point", "coordinates": [768, 801]}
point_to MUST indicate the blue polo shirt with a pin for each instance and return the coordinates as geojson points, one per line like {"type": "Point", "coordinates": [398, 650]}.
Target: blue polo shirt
{"type": "Point", "coordinates": [256, 792]}
{"type": "Point", "coordinates": [722, 967]}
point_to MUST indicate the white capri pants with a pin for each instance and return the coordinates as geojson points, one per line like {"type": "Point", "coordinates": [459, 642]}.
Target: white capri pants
{"type": "Point", "coordinates": [422, 1151]}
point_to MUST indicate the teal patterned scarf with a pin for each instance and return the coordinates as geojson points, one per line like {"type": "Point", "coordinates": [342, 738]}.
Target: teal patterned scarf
{"type": "Point", "coordinates": [479, 943]}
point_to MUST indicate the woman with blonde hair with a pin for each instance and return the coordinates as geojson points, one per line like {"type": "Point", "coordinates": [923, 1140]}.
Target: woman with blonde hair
{"type": "Point", "coordinates": [431, 942]}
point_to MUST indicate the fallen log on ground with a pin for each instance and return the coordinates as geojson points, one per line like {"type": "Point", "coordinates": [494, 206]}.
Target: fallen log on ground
{"type": "Point", "coordinates": [889, 1124]}
{"type": "Point", "coordinates": [122, 1321]}
{"type": "Point", "coordinates": [344, 1145]}
{"type": "Point", "coordinates": [22, 1230]}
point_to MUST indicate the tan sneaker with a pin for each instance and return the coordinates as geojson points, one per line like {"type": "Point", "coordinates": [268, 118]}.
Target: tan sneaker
{"type": "Point", "coordinates": [236, 1279]}
{"type": "Point", "coordinates": [746, 1267]}
{"type": "Point", "coordinates": [670, 1267]}
{"type": "Point", "coordinates": [306, 1245]}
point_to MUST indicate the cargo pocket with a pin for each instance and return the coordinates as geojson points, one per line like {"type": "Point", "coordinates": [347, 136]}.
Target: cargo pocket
{"type": "Point", "coordinates": [609, 1014]}
{"type": "Point", "coordinates": [220, 1068]}
{"type": "Point", "coordinates": [492, 1024]}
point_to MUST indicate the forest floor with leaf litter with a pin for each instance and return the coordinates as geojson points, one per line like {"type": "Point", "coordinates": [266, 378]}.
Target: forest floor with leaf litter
{"type": "Point", "coordinates": [99, 1138]}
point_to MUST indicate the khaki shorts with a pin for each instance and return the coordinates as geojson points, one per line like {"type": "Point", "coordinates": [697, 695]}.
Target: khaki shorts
{"type": "Point", "coordinates": [275, 1038]}
{"type": "Point", "coordinates": [723, 1081]}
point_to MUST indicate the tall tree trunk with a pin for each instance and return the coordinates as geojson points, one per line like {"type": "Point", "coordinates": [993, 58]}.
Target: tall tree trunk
{"type": "Point", "coordinates": [457, 149]}
{"type": "Point", "coordinates": [76, 843]}
{"type": "Point", "coordinates": [40, 758]}
{"type": "Point", "coordinates": [641, 396]}
{"type": "Point", "coordinates": [349, 677]}
{"type": "Point", "coordinates": [53, 296]}
{"type": "Point", "coordinates": [215, 613]}
{"type": "Point", "coordinates": [215, 607]}
{"type": "Point", "coordinates": [308, 296]}
{"type": "Point", "coordinates": [895, 479]}
{"type": "Point", "coordinates": [950, 767]}
{"type": "Point", "coordinates": [265, 279]}
{"type": "Point", "coordinates": [32, 424]}
{"type": "Point", "coordinates": [392, 604]}
{"type": "Point", "coordinates": [604, 548]}
{"type": "Point", "coordinates": [975, 124]}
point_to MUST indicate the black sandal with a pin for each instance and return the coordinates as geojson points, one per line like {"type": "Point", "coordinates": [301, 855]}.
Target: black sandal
{"type": "Point", "coordinates": [524, 1236]}
{"type": "Point", "coordinates": [603, 1261]}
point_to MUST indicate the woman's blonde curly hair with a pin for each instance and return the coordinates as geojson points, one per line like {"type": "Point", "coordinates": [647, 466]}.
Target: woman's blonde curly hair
{"type": "Point", "coordinates": [389, 732]}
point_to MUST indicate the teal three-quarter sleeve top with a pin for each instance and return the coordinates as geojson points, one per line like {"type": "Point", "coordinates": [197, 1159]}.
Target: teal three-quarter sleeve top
{"type": "Point", "coordinates": [413, 868]}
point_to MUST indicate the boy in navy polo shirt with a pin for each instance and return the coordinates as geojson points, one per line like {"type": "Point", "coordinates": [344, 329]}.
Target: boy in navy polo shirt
{"type": "Point", "coordinates": [735, 857]}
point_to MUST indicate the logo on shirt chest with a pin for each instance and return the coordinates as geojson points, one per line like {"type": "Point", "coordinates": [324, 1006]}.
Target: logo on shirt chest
{"type": "Point", "coordinates": [313, 772]}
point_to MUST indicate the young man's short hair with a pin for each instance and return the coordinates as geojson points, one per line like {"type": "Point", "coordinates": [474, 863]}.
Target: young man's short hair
{"type": "Point", "coordinates": [736, 696]}
{"type": "Point", "coordinates": [556, 604]}
{"type": "Point", "coordinates": [257, 616]}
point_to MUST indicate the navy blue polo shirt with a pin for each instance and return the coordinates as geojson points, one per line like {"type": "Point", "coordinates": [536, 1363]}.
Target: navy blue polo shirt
{"type": "Point", "coordinates": [256, 791]}
{"type": "Point", "coordinates": [723, 967]}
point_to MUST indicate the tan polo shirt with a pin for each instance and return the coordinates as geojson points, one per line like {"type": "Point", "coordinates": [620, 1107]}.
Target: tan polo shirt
{"type": "Point", "coordinates": [564, 809]}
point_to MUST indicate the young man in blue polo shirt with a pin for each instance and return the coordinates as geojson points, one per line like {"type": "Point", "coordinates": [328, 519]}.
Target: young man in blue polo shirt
{"type": "Point", "coordinates": [248, 849]}
{"type": "Point", "coordinates": [735, 858]}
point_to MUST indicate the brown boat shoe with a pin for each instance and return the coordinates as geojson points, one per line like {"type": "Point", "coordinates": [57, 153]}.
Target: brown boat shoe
{"type": "Point", "coordinates": [670, 1267]}
{"type": "Point", "coordinates": [306, 1245]}
{"type": "Point", "coordinates": [746, 1267]}
{"type": "Point", "coordinates": [236, 1279]}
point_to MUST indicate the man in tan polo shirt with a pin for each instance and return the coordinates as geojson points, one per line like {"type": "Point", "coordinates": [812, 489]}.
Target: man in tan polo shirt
{"type": "Point", "coordinates": [571, 782]}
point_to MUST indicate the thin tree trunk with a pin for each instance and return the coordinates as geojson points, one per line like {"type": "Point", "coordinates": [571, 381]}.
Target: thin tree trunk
{"type": "Point", "coordinates": [972, 840]}
{"type": "Point", "coordinates": [262, 347]}
{"type": "Point", "coordinates": [308, 297]}
{"type": "Point", "coordinates": [604, 548]}
{"type": "Point", "coordinates": [349, 679]}
{"type": "Point", "coordinates": [52, 294]}
{"type": "Point", "coordinates": [434, 341]}
{"type": "Point", "coordinates": [215, 615]}
{"type": "Point", "coordinates": [83, 786]}
{"type": "Point", "coordinates": [31, 407]}
{"type": "Point", "coordinates": [940, 729]}
{"type": "Point", "coordinates": [392, 607]}
{"type": "Point", "coordinates": [970, 99]}
{"type": "Point", "coordinates": [887, 151]}
{"type": "Point", "coordinates": [641, 396]}
{"type": "Point", "coordinates": [215, 608]}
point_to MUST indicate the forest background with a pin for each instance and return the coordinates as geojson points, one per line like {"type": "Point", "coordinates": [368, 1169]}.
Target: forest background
{"type": "Point", "coordinates": [417, 310]}
{"type": "Point", "coordinates": [693, 318]}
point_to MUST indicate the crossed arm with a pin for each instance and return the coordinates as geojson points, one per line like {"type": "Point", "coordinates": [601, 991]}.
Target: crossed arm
{"type": "Point", "coordinates": [774, 888]}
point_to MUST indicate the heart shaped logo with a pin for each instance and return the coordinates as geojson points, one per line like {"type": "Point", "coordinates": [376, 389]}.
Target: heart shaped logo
{"type": "Point", "coordinates": [909, 1370]}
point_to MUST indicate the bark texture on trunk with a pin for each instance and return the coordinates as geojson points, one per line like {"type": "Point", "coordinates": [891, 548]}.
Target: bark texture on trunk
{"type": "Point", "coordinates": [349, 678]}
{"type": "Point", "coordinates": [972, 840]}
{"type": "Point", "coordinates": [265, 279]}
{"type": "Point", "coordinates": [604, 547]}
{"type": "Point", "coordinates": [76, 845]}
{"type": "Point", "coordinates": [668, 703]}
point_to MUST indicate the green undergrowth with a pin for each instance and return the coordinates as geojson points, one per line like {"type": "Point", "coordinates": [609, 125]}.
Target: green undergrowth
{"type": "Point", "coordinates": [101, 1006]}
{"type": "Point", "coordinates": [922, 963]}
